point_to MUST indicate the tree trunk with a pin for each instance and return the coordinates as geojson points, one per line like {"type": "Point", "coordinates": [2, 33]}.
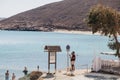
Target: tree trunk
{"type": "Point", "coordinates": [118, 47]}
{"type": "Point", "coordinates": [119, 61]}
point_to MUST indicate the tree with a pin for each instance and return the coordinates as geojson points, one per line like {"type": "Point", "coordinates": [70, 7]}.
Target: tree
{"type": "Point", "coordinates": [106, 21]}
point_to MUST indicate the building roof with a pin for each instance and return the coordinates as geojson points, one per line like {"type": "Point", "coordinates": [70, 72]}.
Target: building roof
{"type": "Point", "coordinates": [52, 48]}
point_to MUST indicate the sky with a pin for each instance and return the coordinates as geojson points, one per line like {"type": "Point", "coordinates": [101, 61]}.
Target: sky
{"type": "Point", "coordinates": [11, 7]}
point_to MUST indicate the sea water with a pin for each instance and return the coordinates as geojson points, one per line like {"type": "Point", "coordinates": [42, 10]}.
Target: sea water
{"type": "Point", "coordinates": [22, 48]}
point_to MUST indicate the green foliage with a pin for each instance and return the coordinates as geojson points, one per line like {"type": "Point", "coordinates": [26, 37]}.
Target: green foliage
{"type": "Point", "coordinates": [112, 45]}
{"type": "Point", "coordinates": [104, 20]}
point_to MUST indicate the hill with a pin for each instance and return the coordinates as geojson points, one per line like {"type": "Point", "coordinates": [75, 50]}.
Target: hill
{"type": "Point", "coordinates": [66, 14]}
{"type": "Point", "coordinates": [1, 18]}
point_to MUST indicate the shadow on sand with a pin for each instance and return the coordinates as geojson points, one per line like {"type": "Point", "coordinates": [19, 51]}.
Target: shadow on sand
{"type": "Point", "coordinates": [48, 75]}
{"type": "Point", "coordinates": [101, 77]}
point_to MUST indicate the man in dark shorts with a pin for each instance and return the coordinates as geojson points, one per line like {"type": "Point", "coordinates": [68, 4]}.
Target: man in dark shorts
{"type": "Point", "coordinates": [73, 57]}
{"type": "Point", "coordinates": [7, 75]}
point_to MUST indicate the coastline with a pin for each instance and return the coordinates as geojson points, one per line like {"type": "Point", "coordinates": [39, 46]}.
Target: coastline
{"type": "Point", "coordinates": [63, 31]}
{"type": "Point", "coordinates": [75, 32]}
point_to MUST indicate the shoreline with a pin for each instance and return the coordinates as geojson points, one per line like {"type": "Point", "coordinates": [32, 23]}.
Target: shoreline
{"type": "Point", "coordinates": [63, 31]}
{"type": "Point", "coordinates": [76, 32]}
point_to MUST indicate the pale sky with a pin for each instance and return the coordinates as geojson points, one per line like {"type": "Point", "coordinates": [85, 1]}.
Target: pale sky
{"type": "Point", "coordinates": [11, 7]}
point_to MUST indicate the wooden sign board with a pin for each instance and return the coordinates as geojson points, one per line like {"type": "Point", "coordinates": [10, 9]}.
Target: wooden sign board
{"type": "Point", "coordinates": [52, 57]}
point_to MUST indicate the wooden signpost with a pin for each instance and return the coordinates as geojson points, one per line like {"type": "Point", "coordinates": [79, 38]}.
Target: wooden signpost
{"type": "Point", "coordinates": [52, 55]}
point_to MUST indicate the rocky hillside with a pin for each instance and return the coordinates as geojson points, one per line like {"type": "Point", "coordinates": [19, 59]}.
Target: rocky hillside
{"type": "Point", "coordinates": [1, 18]}
{"type": "Point", "coordinates": [66, 14]}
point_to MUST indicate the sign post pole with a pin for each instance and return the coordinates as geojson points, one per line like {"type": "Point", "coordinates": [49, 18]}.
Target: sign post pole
{"type": "Point", "coordinates": [67, 49]}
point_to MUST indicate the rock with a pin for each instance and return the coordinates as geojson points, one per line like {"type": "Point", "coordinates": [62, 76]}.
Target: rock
{"type": "Point", "coordinates": [25, 77]}
{"type": "Point", "coordinates": [40, 78]}
{"type": "Point", "coordinates": [35, 75]}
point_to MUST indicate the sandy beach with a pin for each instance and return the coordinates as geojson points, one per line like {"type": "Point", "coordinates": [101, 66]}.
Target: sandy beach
{"type": "Point", "coordinates": [81, 74]}
{"type": "Point", "coordinates": [75, 32]}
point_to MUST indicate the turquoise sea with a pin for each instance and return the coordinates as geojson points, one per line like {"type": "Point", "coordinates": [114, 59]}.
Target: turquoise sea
{"type": "Point", "coordinates": [23, 48]}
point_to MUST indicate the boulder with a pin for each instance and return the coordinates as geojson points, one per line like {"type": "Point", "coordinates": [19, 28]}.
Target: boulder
{"type": "Point", "coordinates": [34, 75]}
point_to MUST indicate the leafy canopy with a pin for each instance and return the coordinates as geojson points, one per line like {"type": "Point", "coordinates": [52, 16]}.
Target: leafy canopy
{"type": "Point", "coordinates": [104, 20]}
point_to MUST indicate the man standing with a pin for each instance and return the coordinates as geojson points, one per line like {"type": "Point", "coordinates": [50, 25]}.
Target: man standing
{"type": "Point", "coordinates": [13, 76]}
{"type": "Point", "coordinates": [25, 71]}
{"type": "Point", "coordinates": [7, 75]}
{"type": "Point", "coordinates": [73, 57]}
